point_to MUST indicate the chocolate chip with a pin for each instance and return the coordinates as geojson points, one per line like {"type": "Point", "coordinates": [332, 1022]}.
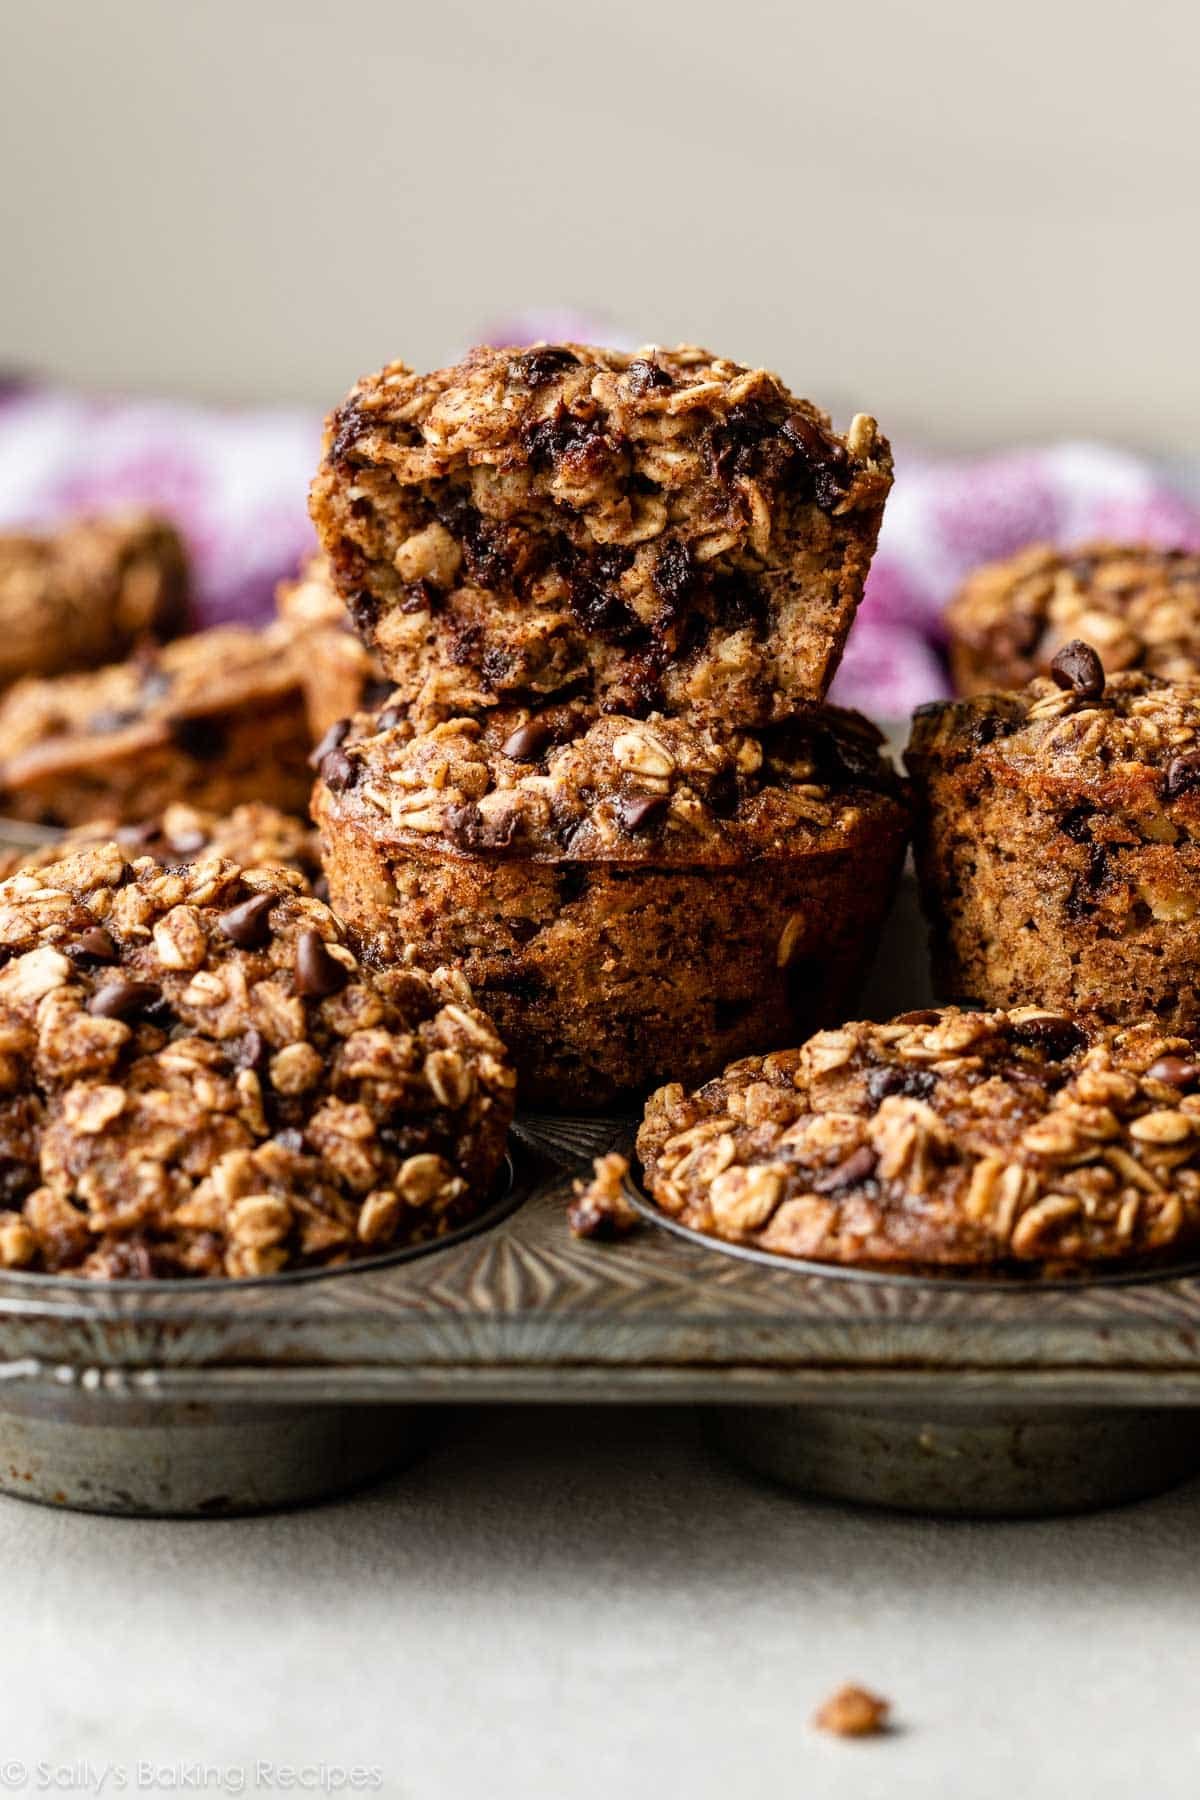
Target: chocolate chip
{"type": "Point", "coordinates": [334, 738]}
{"type": "Point", "coordinates": [338, 772]}
{"type": "Point", "coordinates": [1078, 669]}
{"type": "Point", "coordinates": [640, 812]}
{"type": "Point", "coordinates": [204, 739]}
{"type": "Point", "coordinates": [121, 999]}
{"type": "Point", "coordinates": [913, 1084]}
{"type": "Point", "coordinates": [808, 436]}
{"type": "Point", "coordinates": [724, 795]}
{"type": "Point", "coordinates": [389, 718]}
{"type": "Point", "coordinates": [924, 1016]}
{"type": "Point", "coordinates": [247, 925]}
{"type": "Point", "coordinates": [858, 1166]}
{"type": "Point", "coordinates": [94, 946]}
{"type": "Point", "coordinates": [641, 377]}
{"type": "Point", "coordinates": [317, 973]}
{"type": "Point", "coordinates": [1056, 1036]}
{"type": "Point", "coordinates": [528, 742]}
{"type": "Point", "coordinates": [1174, 1071]}
{"type": "Point", "coordinates": [1183, 775]}
{"type": "Point", "coordinates": [536, 367]}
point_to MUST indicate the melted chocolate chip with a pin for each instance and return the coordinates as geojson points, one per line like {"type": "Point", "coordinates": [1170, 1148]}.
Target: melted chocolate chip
{"type": "Point", "coordinates": [247, 924]}
{"type": "Point", "coordinates": [419, 596]}
{"type": "Point", "coordinates": [1077, 825]}
{"type": "Point", "coordinates": [1078, 669]}
{"type": "Point", "coordinates": [859, 1166]}
{"type": "Point", "coordinates": [641, 812]}
{"type": "Point", "coordinates": [389, 718]}
{"type": "Point", "coordinates": [317, 973]}
{"type": "Point", "coordinates": [1183, 775]}
{"type": "Point", "coordinates": [349, 424]}
{"type": "Point", "coordinates": [643, 376]}
{"type": "Point", "coordinates": [338, 772]}
{"type": "Point", "coordinates": [334, 738]}
{"type": "Point", "coordinates": [538, 366]}
{"type": "Point", "coordinates": [913, 1084]}
{"type": "Point", "coordinates": [94, 946]}
{"type": "Point", "coordinates": [528, 742]}
{"type": "Point", "coordinates": [674, 574]}
{"type": "Point", "coordinates": [123, 999]}
{"type": "Point", "coordinates": [724, 794]}
{"type": "Point", "coordinates": [1175, 1072]}
{"type": "Point", "coordinates": [364, 610]}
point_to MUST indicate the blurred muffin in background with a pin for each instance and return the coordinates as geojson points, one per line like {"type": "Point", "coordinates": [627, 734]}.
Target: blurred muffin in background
{"type": "Point", "coordinates": [89, 592]}
{"type": "Point", "coordinates": [1139, 607]}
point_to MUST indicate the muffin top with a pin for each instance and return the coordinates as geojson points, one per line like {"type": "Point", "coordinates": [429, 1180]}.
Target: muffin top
{"type": "Point", "coordinates": [253, 835]}
{"type": "Point", "coordinates": [198, 1077]}
{"type": "Point", "coordinates": [1127, 736]}
{"type": "Point", "coordinates": [943, 1137]}
{"type": "Point", "coordinates": [529, 520]}
{"type": "Point", "coordinates": [561, 783]}
{"type": "Point", "coordinates": [1138, 606]}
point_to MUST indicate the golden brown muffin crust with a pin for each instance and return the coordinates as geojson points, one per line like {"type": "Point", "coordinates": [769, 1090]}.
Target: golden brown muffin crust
{"type": "Point", "coordinates": [943, 1137]}
{"type": "Point", "coordinates": [198, 1077]}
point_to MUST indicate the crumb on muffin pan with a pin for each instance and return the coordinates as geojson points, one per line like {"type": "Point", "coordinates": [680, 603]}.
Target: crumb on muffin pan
{"type": "Point", "coordinates": [944, 1139]}
{"type": "Point", "coordinates": [198, 1078]}
{"type": "Point", "coordinates": [668, 531]}
{"type": "Point", "coordinates": [1137, 606]}
{"type": "Point", "coordinates": [638, 899]}
{"type": "Point", "coordinates": [1058, 843]}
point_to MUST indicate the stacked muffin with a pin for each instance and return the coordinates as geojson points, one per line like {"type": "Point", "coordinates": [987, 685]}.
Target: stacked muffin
{"type": "Point", "coordinates": [610, 593]}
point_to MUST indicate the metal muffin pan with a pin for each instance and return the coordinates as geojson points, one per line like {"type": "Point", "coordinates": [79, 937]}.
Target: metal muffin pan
{"type": "Point", "coordinates": [1007, 1398]}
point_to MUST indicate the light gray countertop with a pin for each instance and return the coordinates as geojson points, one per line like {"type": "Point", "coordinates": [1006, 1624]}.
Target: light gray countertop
{"type": "Point", "coordinates": [570, 1603]}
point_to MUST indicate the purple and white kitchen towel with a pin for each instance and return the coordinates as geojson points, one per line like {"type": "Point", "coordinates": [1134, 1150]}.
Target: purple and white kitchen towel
{"type": "Point", "coordinates": [235, 481]}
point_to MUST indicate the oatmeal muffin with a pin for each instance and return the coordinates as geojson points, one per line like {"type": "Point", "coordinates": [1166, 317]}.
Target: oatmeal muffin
{"type": "Point", "coordinates": [213, 720]}
{"type": "Point", "coordinates": [668, 532]}
{"type": "Point", "coordinates": [1058, 843]}
{"type": "Point", "coordinates": [255, 836]}
{"type": "Point", "coordinates": [1138, 607]}
{"type": "Point", "coordinates": [341, 675]}
{"type": "Point", "coordinates": [958, 1139]}
{"type": "Point", "coordinates": [629, 899]}
{"type": "Point", "coordinates": [88, 592]}
{"type": "Point", "coordinates": [199, 1078]}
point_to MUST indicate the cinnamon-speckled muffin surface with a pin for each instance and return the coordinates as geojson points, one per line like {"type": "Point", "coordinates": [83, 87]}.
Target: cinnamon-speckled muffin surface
{"type": "Point", "coordinates": [198, 1078]}
{"type": "Point", "coordinates": [943, 1138]}
{"type": "Point", "coordinates": [667, 532]}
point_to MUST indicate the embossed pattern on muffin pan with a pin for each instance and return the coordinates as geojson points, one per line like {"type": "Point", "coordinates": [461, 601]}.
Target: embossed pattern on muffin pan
{"type": "Point", "coordinates": [949, 1396]}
